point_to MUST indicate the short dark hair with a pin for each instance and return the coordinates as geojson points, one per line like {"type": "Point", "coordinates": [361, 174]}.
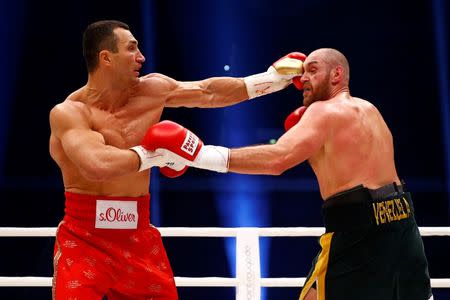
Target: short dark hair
{"type": "Point", "coordinates": [99, 36]}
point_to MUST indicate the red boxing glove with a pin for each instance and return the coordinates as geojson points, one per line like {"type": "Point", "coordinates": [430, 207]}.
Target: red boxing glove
{"type": "Point", "coordinates": [172, 173]}
{"type": "Point", "coordinates": [296, 80]}
{"type": "Point", "coordinates": [181, 148]}
{"type": "Point", "coordinates": [294, 117]}
{"type": "Point", "coordinates": [278, 76]}
{"type": "Point", "coordinates": [294, 66]}
{"type": "Point", "coordinates": [163, 133]}
{"type": "Point", "coordinates": [167, 130]}
{"type": "Point", "coordinates": [174, 137]}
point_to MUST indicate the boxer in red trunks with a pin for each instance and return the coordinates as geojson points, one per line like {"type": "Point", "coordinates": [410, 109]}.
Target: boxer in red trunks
{"type": "Point", "coordinates": [105, 245]}
{"type": "Point", "coordinates": [128, 262]}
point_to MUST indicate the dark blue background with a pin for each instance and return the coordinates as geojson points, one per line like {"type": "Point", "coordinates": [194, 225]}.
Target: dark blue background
{"type": "Point", "coordinates": [398, 54]}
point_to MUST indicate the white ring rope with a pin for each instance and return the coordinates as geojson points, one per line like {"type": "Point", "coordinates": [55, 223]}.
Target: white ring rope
{"type": "Point", "coordinates": [247, 244]}
{"type": "Point", "coordinates": [211, 231]}
{"type": "Point", "coordinates": [29, 281]}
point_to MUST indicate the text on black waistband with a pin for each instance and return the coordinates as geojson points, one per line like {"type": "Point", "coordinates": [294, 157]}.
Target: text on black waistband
{"type": "Point", "coordinates": [391, 210]}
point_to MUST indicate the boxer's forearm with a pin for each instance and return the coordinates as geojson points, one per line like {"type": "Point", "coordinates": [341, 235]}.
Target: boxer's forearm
{"type": "Point", "coordinates": [264, 159]}
{"type": "Point", "coordinates": [108, 162]}
{"type": "Point", "coordinates": [208, 93]}
{"type": "Point", "coordinates": [223, 91]}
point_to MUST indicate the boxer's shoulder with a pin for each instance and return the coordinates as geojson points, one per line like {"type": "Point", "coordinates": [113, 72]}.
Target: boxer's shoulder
{"type": "Point", "coordinates": [69, 112]}
{"type": "Point", "coordinates": [155, 82]}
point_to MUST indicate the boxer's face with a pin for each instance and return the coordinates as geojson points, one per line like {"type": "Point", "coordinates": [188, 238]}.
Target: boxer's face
{"type": "Point", "coordinates": [315, 79]}
{"type": "Point", "coordinates": [128, 60]}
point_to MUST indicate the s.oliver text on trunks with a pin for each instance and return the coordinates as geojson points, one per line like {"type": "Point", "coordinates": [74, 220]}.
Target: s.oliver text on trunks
{"type": "Point", "coordinates": [117, 215]}
{"type": "Point", "coordinates": [112, 214]}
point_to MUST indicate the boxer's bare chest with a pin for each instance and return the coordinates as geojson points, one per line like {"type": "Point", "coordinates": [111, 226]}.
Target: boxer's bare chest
{"type": "Point", "coordinates": [126, 126]}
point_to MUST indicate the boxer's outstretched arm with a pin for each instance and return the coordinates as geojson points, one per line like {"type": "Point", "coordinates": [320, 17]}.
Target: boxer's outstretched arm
{"type": "Point", "coordinates": [208, 93]}
{"type": "Point", "coordinates": [225, 91]}
{"type": "Point", "coordinates": [86, 148]}
{"type": "Point", "coordinates": [297, 145]}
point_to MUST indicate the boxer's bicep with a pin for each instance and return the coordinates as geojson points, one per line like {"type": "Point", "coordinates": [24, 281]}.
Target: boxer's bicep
{"type": "Point", "coordinates": [80, 143]}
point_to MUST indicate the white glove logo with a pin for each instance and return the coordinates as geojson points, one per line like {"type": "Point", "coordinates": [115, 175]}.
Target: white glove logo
{"type": "Point", "coordinates": [190, 143]}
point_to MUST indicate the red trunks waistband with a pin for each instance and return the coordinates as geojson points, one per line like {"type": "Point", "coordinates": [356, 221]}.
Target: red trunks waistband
{"type": "Point", "coordinates": [106, 212]}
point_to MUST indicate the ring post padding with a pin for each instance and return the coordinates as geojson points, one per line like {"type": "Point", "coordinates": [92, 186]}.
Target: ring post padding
{"type": "Point", "coordinates": [248, 270]}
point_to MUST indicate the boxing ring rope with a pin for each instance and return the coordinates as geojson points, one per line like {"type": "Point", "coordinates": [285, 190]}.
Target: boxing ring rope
{"type": "Point", "coordinates": [248, 281]}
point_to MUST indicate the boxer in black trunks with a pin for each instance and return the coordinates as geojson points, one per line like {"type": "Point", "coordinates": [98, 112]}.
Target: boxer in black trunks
{"type": "Point", "coordinates": [372, 249]}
